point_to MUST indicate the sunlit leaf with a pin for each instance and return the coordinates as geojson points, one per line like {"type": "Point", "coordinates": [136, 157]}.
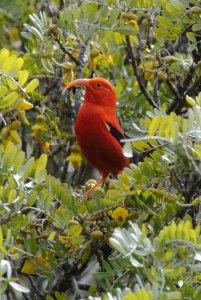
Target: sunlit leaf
{"type": "Point", "coordinates": [32, 85]}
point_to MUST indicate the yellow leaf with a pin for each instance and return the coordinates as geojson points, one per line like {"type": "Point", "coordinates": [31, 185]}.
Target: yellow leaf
{"type": "Point", "coordinates": [29, 267]}
{"type": "Point", "coordinates": [140, 145]}
{"type": "Point", "coordinates": [19, 64]}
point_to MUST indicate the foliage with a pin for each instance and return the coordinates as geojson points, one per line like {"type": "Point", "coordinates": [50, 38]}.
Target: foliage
{"type": "Point", "coordinates": [138, 236]}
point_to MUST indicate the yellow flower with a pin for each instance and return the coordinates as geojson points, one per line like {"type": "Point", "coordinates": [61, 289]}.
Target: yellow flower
{"type": "Point", "coordinates": [75, 158]}
{"type": "Point", "coordinates": [119, 215]}
{"type": "Point", "coordinates": [24, 105]}
{"type": "Point", "coordinates": [45, 146]}
{"type": "Point", "coordinates": [38, 130]}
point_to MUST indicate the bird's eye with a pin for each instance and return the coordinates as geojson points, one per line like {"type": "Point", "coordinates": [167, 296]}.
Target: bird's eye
{"type": "Point", "coordinates": [98, 85]}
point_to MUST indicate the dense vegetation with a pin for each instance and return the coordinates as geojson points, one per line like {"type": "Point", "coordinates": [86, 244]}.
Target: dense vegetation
{"type": "Point", "coordinates": [138, 237]}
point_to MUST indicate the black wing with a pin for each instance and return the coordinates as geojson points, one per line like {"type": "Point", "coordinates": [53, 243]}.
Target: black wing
{"type": "Point", "coordinates": [119, 137]}
{"type": "Point", "coordinates": [116, 133]}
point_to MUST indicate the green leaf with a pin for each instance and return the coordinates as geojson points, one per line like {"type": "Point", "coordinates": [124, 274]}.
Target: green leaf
{"type": "Point", "coordinates": [160, 33]}
{"type": "Point", "coordinates": [127, 30]}
{"type": "Point", "coordinates": [3, 90]}
{"type": "Point", "coordinates": [164, 22]}
{"type": "Point", "coordinates": [191, 37]}
{"type": "Point", "coordinates": [41, 164]}
{"type": "Point", "coordinates": [28, 169]}
{"type": "Point", "coordinates": [32, 198]}
{"type": "Point", "coordinates": [8, 100]}
{"type": "Point", "coordinates": [9, 156]}
{"type": "Point", "coordinates": [31, 245]}
{"type": "Point", "coordinates": [32, 85]}
{"type": "Point", "coordinates": [191, 47]}
{"type": "Point", "coordinates": [20, 158]}
{"type": "Point", "coordinates": [113, 16]}
{"type": "Point", "coordinates": [196, 27]}
{"type": "Point", "coordinates": [75, 230]}
{"type": "Point", "coordinates": [19, 221]}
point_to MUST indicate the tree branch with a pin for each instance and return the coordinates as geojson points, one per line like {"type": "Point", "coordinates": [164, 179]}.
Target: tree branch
{"type": "Point", "coordinates": [79, 66]}
{"type": "Point", "coordinates": [136, 72]}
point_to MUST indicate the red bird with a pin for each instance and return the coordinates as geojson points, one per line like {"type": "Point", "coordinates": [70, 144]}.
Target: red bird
{"type": "Point", "coordinates": [97, 129]}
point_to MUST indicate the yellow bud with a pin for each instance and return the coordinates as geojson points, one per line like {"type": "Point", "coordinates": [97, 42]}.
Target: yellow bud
{"type": "Point", "coordinates": [94, 52]}
{"type": "Point", "coordinates": [170, 198]}
{"type": "Point", "coordinates": [40, 119]}
{"type": "Point", "coordinates": [75, 148]}
{"type": "Point", "coordinates": [15, 137]}
{"type": "Point", "coordinates": [45, 146]}
{"type": "Point", "coordinates": [162, 75]}
{"type": "Point", "coordinates": [53, 29]}
{"type": "Point", "coordinates": [132, 17]}
{"type": "Point", "coordinates": [15, 125]}
{"type": "Point", "coordinates": [134, 24]}
{"type": "Point", "coordinates": [22, 116]}
{"type": "Point", "coordinates": [96, 234]}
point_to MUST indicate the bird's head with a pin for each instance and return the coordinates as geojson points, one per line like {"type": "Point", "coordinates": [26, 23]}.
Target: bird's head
{"type": "Point", "coordinates": [98, 91]}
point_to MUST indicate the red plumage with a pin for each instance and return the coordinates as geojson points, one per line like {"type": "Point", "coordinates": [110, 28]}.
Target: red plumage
{"type": "Point", "coordinates": [97, 129]}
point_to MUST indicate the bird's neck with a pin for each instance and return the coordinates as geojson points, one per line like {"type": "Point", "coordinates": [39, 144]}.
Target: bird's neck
{"type": "Point", "coordinates": [106, 103]}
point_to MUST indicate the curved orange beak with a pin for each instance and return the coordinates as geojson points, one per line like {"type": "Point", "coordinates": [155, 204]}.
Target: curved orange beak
{"type": "Point", "coordinates": [77, 82]}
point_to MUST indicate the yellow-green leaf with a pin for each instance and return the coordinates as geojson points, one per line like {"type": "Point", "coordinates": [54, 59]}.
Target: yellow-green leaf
{"type": "Point", "coordinates": [8, 100]}
{"type": "Point", "coordinates": [9, 63]}
{"type": "Point", "coordinates": [3, 90]}
{"type": "Point", "coordinates": [32, 85]}
{"type": "Point", "coordinates": [20, 158]}
{"type": "Point", "coordinates": [12, 85]}
{"type": "Point", "coordinates": [155, 123]}
{"type": "Point", "coordinates": [23, 76]}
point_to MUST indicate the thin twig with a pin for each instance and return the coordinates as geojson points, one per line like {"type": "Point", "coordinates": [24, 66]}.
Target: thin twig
{"type": "Point", "coordinates": [136, 71]}
{"type": "Point", "coordinates": [65, 51]}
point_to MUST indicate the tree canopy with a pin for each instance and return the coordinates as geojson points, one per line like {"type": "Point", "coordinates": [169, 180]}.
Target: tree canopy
{"type": "Point", "coordinates": [138, 236]}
